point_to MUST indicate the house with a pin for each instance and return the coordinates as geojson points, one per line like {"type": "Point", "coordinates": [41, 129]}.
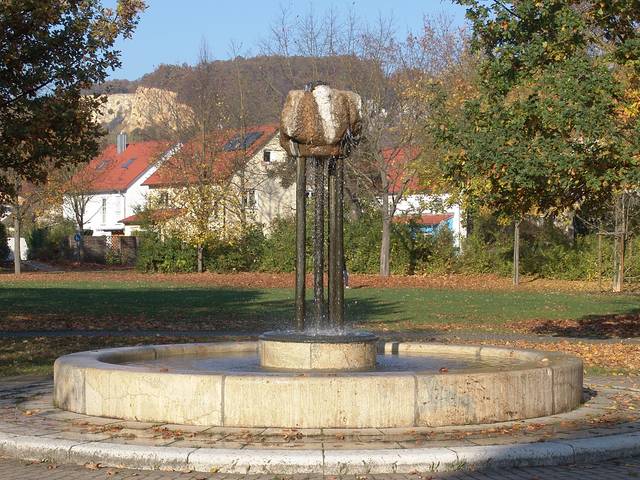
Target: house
{"type": "Point", "coordinates": [416, 203]}
{"type": "Point", "coordinates": [253, 154]}
{"type": "Point", "coordinates": [111, 187]}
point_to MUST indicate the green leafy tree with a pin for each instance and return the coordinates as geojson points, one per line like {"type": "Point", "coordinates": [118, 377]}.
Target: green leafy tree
{"type": "Point", "coordinates": [545, 132]}
{"type": "Point", "coordinates": [50, 51]}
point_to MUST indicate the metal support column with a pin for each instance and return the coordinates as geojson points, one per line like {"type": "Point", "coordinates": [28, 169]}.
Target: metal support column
{"type": "Point", "coordinates": [336, 243]}
{"type": "Point", "coordinates": [318, 243]}
{"type": "Point", "coordinates": [301, 210]}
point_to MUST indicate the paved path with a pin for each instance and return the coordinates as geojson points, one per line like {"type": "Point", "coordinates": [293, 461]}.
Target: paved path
{"type": "Point", "coordinates": [41, 267]}
{"type": "Point", "coordinates": [13, 388]}
{"type": "Point", "coordinates": [421, 336]}
{"type": "Point", "coordinates": [612, 470]}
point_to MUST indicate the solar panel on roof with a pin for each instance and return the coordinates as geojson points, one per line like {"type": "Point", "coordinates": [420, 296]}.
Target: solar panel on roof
{"type": "Point", "coordinates": [128, 163]}
{"type": "Point", "coordinates": [233, 144]}
{"type": "Point", "coordinates": [250, 138]}
{"type": "Point", "coordinates": [237, 142]}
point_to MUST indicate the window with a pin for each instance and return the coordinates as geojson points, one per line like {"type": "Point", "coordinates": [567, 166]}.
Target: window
{"type": "Point", "coordinates": [104, 211]}
{"type": "Point", "coordinates": [250, 199]}
{"type": "Point", "coordinates": [102, 165]}
{"type": "Point", "coordinates": [266, 156]}
{"type": "Point", "coordinates": [164, 199]}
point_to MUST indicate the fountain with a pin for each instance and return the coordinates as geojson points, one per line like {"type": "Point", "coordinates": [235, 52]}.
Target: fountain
{"type": "Point", "coordinates": [320, 126]}
{"type": "Point", "coordinates": [318, 374]}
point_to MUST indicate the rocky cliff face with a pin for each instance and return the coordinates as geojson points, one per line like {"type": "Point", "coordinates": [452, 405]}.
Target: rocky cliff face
{"type": "Point", "coordinates": [145, 111]}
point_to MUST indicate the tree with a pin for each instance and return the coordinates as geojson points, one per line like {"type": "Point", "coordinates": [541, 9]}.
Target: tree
{"type": "Point", "coordinates": [200, 172]}
{"type": "Point", "coordinates": [544, 133]}
{"type": "Point", "coordinates": [395, 113]}
{"type": "Point", "coordinates": [72, 187]}
{"type": "Point", "coordinates": [384, 70]}
{"type": "Point", "coordinates": [27, 201]}
{"type": "Point", "coordinates": [50, 52]}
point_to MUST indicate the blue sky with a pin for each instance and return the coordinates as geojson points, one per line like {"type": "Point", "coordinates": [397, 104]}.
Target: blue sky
{"type": "Point", "coordinates": [170, 31]}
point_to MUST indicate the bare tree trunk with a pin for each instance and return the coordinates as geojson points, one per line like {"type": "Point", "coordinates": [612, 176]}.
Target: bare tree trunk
{"type": "Point", "coordinates": [200, 255]}
{"type": "Point", "coordinates": [620, 243]}
{"type": "Point", "coordinates": [600, 256]}
{"type": "Point", "coordinates": [516, 253]}
{"type": "Point", "coordinates": [80, 221]}
{"type": "Point", "coordinates": [16, 240]}
{"type": "Point", "coordinates": [385, 244]}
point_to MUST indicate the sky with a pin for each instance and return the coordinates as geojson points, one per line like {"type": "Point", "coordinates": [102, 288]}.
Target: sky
{"type": "Point", "coordinates": [171, 31]}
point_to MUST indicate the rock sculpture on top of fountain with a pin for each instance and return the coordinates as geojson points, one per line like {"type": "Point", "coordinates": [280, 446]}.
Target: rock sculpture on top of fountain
{"type": "Point", "coordinates": [320, 122]}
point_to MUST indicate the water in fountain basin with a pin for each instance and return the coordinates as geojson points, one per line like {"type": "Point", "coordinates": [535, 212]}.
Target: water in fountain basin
{"type": "Point", "coordinates": [248, 362]}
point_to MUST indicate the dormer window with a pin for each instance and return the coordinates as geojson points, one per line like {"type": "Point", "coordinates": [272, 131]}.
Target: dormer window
{"type": "Point", "coordinates": [266, 156]}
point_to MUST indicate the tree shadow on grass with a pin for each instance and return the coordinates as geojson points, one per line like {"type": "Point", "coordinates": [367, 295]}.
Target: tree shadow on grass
{"type": "Point", "coordinates": [140, 308]}
{"type": "Point", "coordinates": [621, 325]}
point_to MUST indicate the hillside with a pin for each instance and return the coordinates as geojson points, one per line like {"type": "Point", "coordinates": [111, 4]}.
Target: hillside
{"type": "Point", "coordinates": [137, 112]}
{"type": "Point", "coordinates": [264, 82]}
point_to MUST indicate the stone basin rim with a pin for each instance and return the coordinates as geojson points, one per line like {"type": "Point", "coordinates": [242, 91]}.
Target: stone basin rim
{"type": "Point", "coordinates": [292, 336]}
{"type": "Point", "coordinates": [115, 358]}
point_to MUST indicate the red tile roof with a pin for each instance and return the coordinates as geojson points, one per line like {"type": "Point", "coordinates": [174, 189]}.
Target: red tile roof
{"type": "Point", "coordinates": [171, 172]}
{"type": "Point", "coordinates": [154, 216]}
{"type": "Point", "coordinates": [428, 219]}
{"type": "Point", "coordinates": [111, 171]}
{"type": "Point", "coordinates": [398, 160]}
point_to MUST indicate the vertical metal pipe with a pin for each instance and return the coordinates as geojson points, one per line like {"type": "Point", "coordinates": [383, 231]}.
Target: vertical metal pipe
{"type": "Point", "coordinates": [318, 243]}
{"type": "Point", "coordinates": [338, 241]}
{"type": "Point", "coordinates": [332, 261]}
{"type": "Point", "coordinates": [301, 209]}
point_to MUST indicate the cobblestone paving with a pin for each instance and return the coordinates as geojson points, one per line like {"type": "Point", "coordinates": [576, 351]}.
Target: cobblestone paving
{"type": "Point", "coordinates": [613, 408]}
{"type": "Point", "coordinates": [612, 470]}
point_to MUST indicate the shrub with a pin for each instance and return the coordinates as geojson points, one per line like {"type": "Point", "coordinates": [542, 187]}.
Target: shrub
{"type": "Point", "coordinates": [279, 246]}
{"type": "Point", "coordinates": [488, 249]}
{"type": "Point", "coordinates": [166, 255]}
{"type": "Point", "coordinates": [363, 237]}
{"type": "Point", "coordinates": [112, 257]}
{"type": "Point", "coordinates": [240, 255]}
{"type": "Point", "coordinates": [436, 253]}
{"type": "Point", "coordinates": [50, 242]}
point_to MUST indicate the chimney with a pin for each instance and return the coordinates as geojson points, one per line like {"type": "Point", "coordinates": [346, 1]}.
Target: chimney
{"type": "Point", "coordinates": [121, 142]}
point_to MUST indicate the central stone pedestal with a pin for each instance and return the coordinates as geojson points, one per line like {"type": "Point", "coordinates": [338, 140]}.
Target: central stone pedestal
{"type": "Point", "coordinates": [302, 351]}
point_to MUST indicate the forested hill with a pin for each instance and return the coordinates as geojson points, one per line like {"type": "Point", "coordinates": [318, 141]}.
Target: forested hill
{"type": "Point", "coordinates": [263, 81]}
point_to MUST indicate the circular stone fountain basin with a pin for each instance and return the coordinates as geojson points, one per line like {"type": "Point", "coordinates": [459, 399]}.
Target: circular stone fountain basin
{"type": "Point", "coordinates": [304, 351]}
{"type": "Point", "coordinates": [412, 384]}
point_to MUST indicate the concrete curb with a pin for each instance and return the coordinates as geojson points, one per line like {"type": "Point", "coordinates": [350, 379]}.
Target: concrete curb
{"type": "Point", "coordinates": [333, 462]}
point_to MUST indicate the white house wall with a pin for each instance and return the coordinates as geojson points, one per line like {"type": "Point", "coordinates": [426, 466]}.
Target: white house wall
{"type": "Point", "coordinates": [119, 205]}
{"type": "Point", "coordinates": [420, 204]}
{"type": "Point", "coordinates": [24, 249]}
{"type": "Point", "coordinates": [272, 200]}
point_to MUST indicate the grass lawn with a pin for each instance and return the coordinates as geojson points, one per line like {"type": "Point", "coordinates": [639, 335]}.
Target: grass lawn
{"type": "Point", "coordinates": [36, 305]}
{"type": "Point", "coordinates": [56, 303]}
